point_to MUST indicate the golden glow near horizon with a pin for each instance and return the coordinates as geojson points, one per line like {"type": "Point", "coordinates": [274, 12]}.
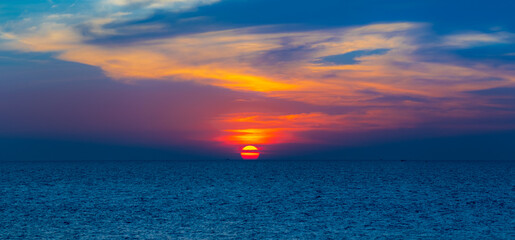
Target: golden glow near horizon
{"type": "Point", "coordinates": [275, 129]}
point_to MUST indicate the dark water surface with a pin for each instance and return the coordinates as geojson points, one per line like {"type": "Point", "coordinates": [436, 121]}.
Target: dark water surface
{"type": "Point", "coordinates": [257, 200]}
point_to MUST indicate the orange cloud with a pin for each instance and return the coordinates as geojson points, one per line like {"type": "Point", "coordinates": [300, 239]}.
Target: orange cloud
{"type": "Point", "coordinates": [263, 129]}
{"type": "Point", "coordinates": [234, 59]}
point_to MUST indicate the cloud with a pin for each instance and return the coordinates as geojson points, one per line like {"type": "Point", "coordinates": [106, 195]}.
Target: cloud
{"type": "Point", "coordinates": [228, 58]}
{"type": "Point", "coordinates": [316, 127]}
{"type": "Point", "coordinates": [262, 129]}
{"type": "Point", "coordinates": [239, 59]}
{"type": "Point", "coordinates": [172, 5]}
{"type": "Point", "coordinates": [466, 40]}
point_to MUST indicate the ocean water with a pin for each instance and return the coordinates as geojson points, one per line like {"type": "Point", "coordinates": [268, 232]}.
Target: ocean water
{"type": "Point", "coordinates": [257, 200]}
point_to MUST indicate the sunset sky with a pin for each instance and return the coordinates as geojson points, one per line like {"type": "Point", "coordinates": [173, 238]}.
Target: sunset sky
{"type": "Point", "coordinates": [200, 79]}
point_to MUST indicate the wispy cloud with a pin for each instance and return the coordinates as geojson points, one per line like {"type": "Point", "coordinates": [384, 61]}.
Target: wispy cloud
{"type": "Point", "coordinates": [173, 5]}
{"type": "Point", "coordinates": [474, 39]}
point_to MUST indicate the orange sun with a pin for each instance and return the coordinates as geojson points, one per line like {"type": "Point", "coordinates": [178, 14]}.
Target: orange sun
{"type": "Point", "coordinates": [249, 153]}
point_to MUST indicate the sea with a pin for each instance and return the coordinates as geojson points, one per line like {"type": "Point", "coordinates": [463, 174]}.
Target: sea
{"type": "Point", "coordinates": [257, 200]}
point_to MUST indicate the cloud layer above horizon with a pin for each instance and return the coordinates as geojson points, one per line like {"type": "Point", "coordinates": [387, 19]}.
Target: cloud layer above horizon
{"type": "Point", "coordinates": [382, 74]}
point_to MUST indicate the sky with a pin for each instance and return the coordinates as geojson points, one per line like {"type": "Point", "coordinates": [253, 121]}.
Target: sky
{"type": "Point", "coordinates": [313, 80]}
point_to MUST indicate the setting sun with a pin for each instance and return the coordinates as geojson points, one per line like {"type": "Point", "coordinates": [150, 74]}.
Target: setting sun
{"type": "Point", "coordinates": [249, 153]}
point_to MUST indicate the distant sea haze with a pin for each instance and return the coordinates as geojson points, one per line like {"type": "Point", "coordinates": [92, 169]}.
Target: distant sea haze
{"type": "Point", "coordinates": [257, 200]}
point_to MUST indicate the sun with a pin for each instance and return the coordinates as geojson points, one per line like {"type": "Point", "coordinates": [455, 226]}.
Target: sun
{"type": "Point", "coordinates": [249, 153]}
